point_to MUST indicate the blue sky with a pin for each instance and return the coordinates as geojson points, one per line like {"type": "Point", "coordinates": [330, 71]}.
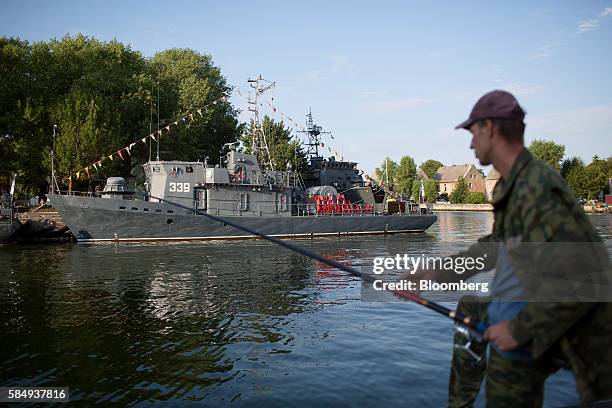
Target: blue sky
{"type": "Point", "coordinates": [388, 78]}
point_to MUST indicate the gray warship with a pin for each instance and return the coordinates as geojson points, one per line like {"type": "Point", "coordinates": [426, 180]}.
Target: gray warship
{"type": "Point", "coordinates": [334, 200]}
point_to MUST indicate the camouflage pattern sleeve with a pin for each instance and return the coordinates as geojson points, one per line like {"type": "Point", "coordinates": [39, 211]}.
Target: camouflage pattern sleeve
{"type": "Point", "coordinates": [485, 248]}
{"type": "Point", "coordinates": [548, 212]}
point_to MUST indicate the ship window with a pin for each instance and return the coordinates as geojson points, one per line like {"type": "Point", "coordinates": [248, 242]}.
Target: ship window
{"type": "Point", "coordinates": [155, 168]}
{"type": "Point", "coordinates": [244, 202]}
{"type": "Point", "coordinates": [189, 169]}
{"type": "Point", "coordinates": [169, 221]}
{"type": "Point", "coordinates": [134, 208]}
{"type": "Point", "coordinates": [145, 209]}
{"type": "Point", "coordinates": [170, 211]}
{"type": "Point", "coordinates": [158, 210]}
{"type": "Point", "coordinates": [121, 207]}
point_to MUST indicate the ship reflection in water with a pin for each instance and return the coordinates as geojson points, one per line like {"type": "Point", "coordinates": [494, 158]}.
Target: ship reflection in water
{"type": "Point", "coordinates": [219, 322]}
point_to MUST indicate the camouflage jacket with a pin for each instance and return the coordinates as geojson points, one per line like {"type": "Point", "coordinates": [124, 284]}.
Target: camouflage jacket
{"type": "Point", "coordinates": [535, 205]}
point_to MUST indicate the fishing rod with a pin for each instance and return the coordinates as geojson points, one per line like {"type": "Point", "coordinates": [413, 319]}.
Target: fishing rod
{"type": "Point", "coordinates": [467, 325]}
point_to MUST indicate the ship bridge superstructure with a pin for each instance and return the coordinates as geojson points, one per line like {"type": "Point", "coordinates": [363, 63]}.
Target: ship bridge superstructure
{"type": "Point", "coordinates": [240, 187]}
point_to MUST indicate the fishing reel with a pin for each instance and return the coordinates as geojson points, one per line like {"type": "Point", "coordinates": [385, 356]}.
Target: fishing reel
{"type": "Point", "coordinates": [471, 336]}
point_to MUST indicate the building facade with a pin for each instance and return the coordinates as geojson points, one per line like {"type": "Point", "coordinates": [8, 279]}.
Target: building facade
{"type": "Point", "coordinates": [490, 183]}
{"type": "Point", "coordinates": [447, 176]}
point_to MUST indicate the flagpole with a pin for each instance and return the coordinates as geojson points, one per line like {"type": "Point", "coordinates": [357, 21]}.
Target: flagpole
{"type": "Point", "coordinates": [53, 179]}
{"type": "Point", "coordinates": [158, 134]}
{"type": "Point", "coordinates": [150, 121]}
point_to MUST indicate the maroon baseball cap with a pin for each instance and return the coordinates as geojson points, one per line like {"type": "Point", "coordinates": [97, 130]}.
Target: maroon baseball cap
{"type": "Point", "coordinates": [494, 105]}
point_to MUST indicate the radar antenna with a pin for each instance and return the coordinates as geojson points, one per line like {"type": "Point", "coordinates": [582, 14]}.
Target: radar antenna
{"type": "Point", "coordinates": [313, 131]}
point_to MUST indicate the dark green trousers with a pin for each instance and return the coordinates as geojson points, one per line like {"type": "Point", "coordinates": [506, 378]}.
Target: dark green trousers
{"type": "Point", "coordinates": [509, 383]}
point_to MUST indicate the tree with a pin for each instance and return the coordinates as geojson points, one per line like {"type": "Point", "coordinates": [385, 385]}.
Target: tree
{"type": "Point", "coordinates": [431, 190]}
{"type": "Point", "coordinates": [386, 173]}
{"type": "Point", "coordinates": [189, 80]}
{"type": "Point", "coordinates": [460, 192]}
{"type": "Point", "coordinates": [475, 198]}
{"type": "Point", "coordinates": [284, 148]}
{"type": "Point", "coordinates": [82, 129]}
{"type": "Point", "coordinates": [548, 151]}
{"type": "Point", "coordinates": [415, 190]}
{"type": "Point", "coordinates": [77, 83]}
{"type": "Point", "coordinates": [573, 171]}
{"type": "Point", "coordinates": [430, 167]}
{"type": "Point", "coordinates": [405, 175]}
{"type": "Point", "coordinates": [596, 177]}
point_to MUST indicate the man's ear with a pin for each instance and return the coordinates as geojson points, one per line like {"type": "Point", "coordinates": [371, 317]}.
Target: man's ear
{"type": "Point", "coordinates": [489, 127]}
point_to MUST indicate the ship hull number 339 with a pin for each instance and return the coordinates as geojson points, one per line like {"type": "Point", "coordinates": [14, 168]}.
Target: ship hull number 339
{"type": "Point", "coordinates": [179, 187]}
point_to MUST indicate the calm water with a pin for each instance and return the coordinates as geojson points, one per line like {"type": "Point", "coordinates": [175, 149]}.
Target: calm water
{"type": "Point", "coordinates": [244, 323]}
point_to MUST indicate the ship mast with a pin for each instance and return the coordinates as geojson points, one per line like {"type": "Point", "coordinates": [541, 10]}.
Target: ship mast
{"type": "Point", "coordinates": [313, 131]}
{"type": "Point", "coordinates": [259, 143]}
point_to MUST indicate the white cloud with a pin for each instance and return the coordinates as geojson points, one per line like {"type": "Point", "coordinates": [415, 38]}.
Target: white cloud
{"type": "Point", "coordinates": [585, 26]}
{"type": "Point", "coordinates": [590, 25]}
{"type": "Point", "coordinates": [607, 12]}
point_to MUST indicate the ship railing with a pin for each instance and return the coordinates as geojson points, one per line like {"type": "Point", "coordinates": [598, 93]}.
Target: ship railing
{"type": "Point", "coordinates": [335, 210]}
{"type": "Point", "coordinates": [127, 195]}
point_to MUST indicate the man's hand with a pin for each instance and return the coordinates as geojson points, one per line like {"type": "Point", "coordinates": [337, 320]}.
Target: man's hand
{"type": "Point", "coordinates": [502, 337]}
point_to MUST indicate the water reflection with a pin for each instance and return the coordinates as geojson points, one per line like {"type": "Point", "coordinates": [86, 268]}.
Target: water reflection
{"type": "Point", "coordinates": [220, 322]}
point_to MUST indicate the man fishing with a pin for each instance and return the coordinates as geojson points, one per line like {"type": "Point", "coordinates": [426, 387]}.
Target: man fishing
{"type": "Point", "coordinates": [529, 336]}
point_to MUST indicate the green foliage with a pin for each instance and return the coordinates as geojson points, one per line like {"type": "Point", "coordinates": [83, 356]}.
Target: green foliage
{"type": "Point", "coordinates": [284, 149]}
{"type": "Point", "coordinates": [430, 167]}
{"type": "Point", "coordinates": [415, 190]}
{"type": "Point", "coordinates": [386, 173]}
{"type": "Point", "coordinates": [82, 131]}
{"type": "Point", "coordinates": [100, 95]}
{"type": "Point", "coordinates": [573, 170]}
{"type": "Point", "coordinates": [475, 198]}
{"type": "Point", "coordinates": [460, 192]}
{"type": "Point", "coordinates": [189, 80]}
{"type": "Point", "coordinates": [596, 175]}
{"type": "Point", "coordinates": [431, 190]}
{"type": "Point", "coordinates": [405, 175]}
{"type": "Point", "coordinates": [548, 151]}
